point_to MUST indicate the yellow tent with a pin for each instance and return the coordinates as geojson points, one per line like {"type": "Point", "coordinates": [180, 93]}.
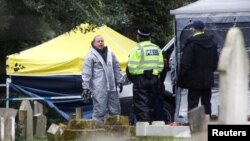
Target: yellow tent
{"type": "Point", "coordinates": [64, 54]}
{"type": "Point", "coordinates": [54, 68]}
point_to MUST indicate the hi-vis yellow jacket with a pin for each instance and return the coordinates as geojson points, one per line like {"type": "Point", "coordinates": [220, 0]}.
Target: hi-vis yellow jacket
{"type": "Point", "coordinates": [146, 56]}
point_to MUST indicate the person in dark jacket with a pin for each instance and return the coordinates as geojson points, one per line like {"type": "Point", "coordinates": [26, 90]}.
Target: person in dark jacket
{"type": "Point", "coordinates": [198, 63]}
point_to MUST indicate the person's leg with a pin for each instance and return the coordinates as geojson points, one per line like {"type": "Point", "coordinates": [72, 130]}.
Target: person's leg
{"type": "Point", "coordinates": [193, 98]}
{"type": "Point", "coordinates": [157, 104]}
{"type": "Point", "coordinates": [140, 100]}
{"type": "Point", "coordinates": [99, 105]}
{"type": "Point", "coordinates": [159, 113]}
{"type": "Point", "coordinates": [114, 107]}
{"type": "Point", "coordinates": [206, 100]}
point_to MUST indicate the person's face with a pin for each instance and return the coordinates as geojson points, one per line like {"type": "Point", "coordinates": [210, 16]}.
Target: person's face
{"type": "Point", "coordinates": [195, 30]}
{"type": "Point", "coordinates": [99, 42]}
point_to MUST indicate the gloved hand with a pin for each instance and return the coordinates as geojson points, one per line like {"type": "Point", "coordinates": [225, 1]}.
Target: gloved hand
{"type": "Point", "coordinates": [120, 86]}
{"type": "Point", "coordinates": [86, 95]}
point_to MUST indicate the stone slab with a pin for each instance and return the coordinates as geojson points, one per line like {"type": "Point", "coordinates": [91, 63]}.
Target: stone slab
{"type": "Point", "coordinates": [144, 129]}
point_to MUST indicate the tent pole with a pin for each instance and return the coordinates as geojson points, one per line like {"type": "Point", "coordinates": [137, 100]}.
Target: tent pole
{"type": "Point", "coordinates": [8, 81]}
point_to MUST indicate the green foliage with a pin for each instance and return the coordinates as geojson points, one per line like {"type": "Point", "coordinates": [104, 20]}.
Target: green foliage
{"type": "Point", "coordinates": [18, 132]}
{"type": "Point", "coordinates": [5, 16]}
{"type": "Point", "coordinates": [20, 28]}
{"type": "Point", "coordinates": [63, 15]}
{"type": "Point", "coordinates": [157, 15]}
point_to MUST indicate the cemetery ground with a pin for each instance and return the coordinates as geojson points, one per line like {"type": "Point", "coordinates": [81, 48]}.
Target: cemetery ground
{"type": "Point", "coordinates": [45, 139]}
{"type": "Point", "coordinates": [52, 118]}
{"type": "Point", "coordinates": [115, 128]}
{"type": "Point", "coordinates": [141, 139]}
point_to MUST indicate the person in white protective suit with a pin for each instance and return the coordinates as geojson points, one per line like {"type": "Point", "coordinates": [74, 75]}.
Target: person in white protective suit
{"type": "Point", "coordinates": [101, 76]}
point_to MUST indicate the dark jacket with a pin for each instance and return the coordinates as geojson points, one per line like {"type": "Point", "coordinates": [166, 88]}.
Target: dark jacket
{"type": "Point", "coordinates": [198, 62]}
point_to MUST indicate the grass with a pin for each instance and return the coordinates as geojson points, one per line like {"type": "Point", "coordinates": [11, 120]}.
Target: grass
{"type": "Point", "coordinates": [140, 139]}
{"type": "Point", "coordinates": [37, 139]}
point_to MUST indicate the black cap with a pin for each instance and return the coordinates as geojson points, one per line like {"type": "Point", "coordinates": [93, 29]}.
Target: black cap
{"type": "Point", "coordinates": [198, 25]}
{"type": "Point", "coordinates": [144, 31]}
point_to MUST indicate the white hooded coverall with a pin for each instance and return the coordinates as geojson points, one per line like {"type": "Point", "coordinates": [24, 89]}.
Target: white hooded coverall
{"type": "Point", "coordinates": [101, 78]}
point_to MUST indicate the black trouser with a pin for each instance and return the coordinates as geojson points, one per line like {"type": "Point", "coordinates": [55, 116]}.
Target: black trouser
{"type": "Point", "coordinates": [194, 96]}
{"type": "Point", "coordinates": [144, 92]}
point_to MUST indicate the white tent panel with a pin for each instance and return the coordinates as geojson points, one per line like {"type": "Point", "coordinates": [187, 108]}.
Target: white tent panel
{"type": "Point", "coordinates": [213, 6]}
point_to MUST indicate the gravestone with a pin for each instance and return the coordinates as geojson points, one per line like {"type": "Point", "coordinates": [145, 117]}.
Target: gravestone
{"type": "Point", "coordinates": [38, 108]}
{"type": "Point", "coordinates": [197, 119]}
{"type": "Point", "coordinates": [26, 117]}
{"type": "Point", "coordinates": [40, 124]}
{"type": "Point", "coordinates": [79, 112]}
{"type": "Point", "coordinates": [233, 68]}
{"type": "Point", "coordinates": [1, 128]}
{"type": "Point", "coordinates": [7, 124]}
{"type": "Point", "coordinates": [54, 133]}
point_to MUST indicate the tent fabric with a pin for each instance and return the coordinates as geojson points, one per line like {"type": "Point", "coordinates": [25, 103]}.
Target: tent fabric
{"type": "Point", "coordinates": [64, 54]}
{"type": "Point", "coordinates": [213, 6]}
{"type": "Point", "coordinates": [53, 86]}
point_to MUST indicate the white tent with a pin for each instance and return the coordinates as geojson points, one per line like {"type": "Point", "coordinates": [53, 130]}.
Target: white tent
{"type": "Point", "coordinates": [218, 16]}
{"type": "Point", "coordinates": [213, 6]}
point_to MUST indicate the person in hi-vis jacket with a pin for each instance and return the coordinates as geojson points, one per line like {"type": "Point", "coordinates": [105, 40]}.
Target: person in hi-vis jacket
{"type": "Point", "coordinates": [145, 63]}
{"type": "Point", "coordinates": [101, 76]}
